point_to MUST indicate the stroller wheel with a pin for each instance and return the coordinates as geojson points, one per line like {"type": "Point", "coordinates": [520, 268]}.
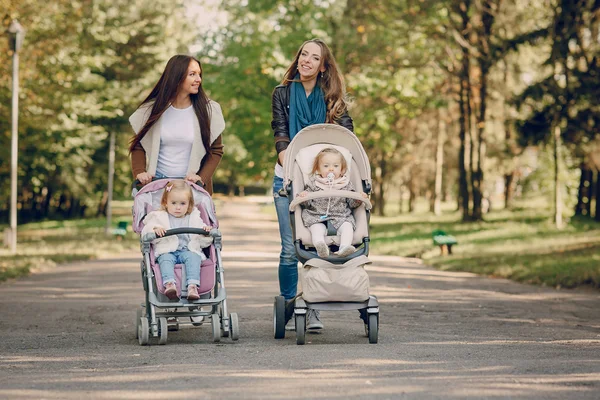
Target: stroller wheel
{"type": "Point", "coordinates": [373, 328]}
{"type": "Point", "coordinates": [279, 317]}
{"type": "Point", "coordinates": [234, 326]}
{"type": "Point", "coordinates": [300, 328]}
{"type": "Point", "coordinates": [143, 331]}
{"type": "Point", "coordinates": [216, 327]}
{"type": "Point", "coordinates": [163, 331]}
{"type": "Point", "coordinates": [138, 315]}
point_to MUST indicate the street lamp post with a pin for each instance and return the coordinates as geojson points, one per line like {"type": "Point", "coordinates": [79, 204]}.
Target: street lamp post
{"type": "Point", "coordinates": [16, 33]}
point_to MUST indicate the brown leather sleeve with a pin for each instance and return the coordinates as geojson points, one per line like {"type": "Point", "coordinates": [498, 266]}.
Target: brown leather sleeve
{"type": "Point", "coordinates": [138, 160]}
{"type": "Point", "coordinates": [211, 160]}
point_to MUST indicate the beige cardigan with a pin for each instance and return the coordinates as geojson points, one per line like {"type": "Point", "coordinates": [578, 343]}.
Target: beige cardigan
{"type": "Point", "coordinates": [151, 141]}
{"type": "Point", "coordinates": [170, 243]}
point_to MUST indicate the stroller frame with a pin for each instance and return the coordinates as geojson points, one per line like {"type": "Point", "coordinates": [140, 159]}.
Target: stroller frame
{"type": "Point", "coordinates": [158, 314]}
{"type": "Point", "coordinates": [298, 307]}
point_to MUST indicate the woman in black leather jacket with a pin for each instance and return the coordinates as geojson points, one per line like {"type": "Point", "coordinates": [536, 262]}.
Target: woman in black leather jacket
{"type": "Point", "coordinates": [312, 92]}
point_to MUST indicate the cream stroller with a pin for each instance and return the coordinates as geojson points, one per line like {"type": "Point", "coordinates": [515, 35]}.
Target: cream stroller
{"type": "Point", "coordinates": [333, 283]}
{"type": "Point", "coordinates": [159, 314]}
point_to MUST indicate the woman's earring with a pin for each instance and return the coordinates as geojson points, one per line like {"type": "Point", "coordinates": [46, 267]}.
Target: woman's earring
{"type": "Point", "coordinates": [321, 74]}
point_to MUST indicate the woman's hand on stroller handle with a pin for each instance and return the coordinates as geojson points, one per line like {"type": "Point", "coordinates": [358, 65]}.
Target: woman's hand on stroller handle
{"type": "Point", "coordinates": [194, 178]}
{"type": "Point", "coordinates": [144, 178]}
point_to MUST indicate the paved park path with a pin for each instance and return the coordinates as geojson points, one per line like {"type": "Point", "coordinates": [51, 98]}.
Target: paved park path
{"type": "Point", "coordinates": [68, 333]}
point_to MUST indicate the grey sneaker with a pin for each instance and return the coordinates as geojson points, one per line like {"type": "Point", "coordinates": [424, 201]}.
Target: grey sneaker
{"type": "Point", "coordinates": [313, 322]}
{"type": "Point", "coordinates": [291, 325]}
{"type": "Point", "coordinates": [198, 319]}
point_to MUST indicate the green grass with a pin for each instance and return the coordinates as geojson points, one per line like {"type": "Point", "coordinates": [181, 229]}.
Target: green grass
{"type": "Point", "coordinates": [522, 244]}
{"type": "Point", "coordinates": [48, 243]}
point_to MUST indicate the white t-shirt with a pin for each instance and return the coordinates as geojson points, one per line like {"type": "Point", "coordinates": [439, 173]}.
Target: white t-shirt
{"type": "Point", "coordinates": [279, 170]}
{"type": "Point", "coordinates": [176, 138]}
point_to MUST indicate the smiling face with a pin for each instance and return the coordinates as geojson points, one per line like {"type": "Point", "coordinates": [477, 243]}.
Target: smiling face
{"type": "Point", "coordinates": [310, 61]}
{"type": "Point", "coordinates": [330, 162]}
{"type": "Point", "coordinates": [178, 203]}
{"type": "Point", "coordinates": [192, 81]}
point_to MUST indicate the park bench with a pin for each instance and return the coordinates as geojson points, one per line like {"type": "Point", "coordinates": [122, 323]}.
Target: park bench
{"type": "Point", "coordinates": [121, 230]}
{"type": "Point", "coordinates": [445, 241]}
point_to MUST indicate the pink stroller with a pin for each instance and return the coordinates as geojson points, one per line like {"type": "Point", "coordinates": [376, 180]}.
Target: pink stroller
{"type": "Point", "coordinates": [158, 314]}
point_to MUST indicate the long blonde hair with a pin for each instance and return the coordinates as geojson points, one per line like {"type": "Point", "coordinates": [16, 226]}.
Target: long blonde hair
{"type": "Point", "coordinates": [331, 81]}
{"type": "Point", "coordinates": [178, 185]}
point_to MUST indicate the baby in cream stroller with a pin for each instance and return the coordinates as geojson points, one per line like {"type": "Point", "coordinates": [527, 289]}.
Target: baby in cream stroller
{"type": "Point", "coordinates": [331, 280]}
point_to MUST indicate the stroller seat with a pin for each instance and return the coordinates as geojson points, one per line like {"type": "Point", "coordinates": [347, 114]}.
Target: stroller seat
{"type": "Point", "coordinates": [301, 173]}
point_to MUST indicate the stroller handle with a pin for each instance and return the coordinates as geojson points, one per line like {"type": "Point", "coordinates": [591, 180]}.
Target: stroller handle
{"type": "Point", "coordinates": [215, 233]}
{"type": "Point", "coordinates": [330, 193]}
{"type": "Point", "coordinates": [138, 185]}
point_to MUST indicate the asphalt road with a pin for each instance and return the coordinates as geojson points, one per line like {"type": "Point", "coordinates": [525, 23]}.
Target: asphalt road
{"type": "Point", "coordinates": [68, 333]}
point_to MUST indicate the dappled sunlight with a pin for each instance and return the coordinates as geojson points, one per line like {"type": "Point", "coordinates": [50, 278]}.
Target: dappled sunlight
{"type": "Point", "coordinates": [383, 362]}
{"type": "Point", "coordinates": [229, 254]}
{"type": "Point", "coordinates": [423, 277]}
{"type": "Point", "coordinates": [405, 271]}
{"type": "Point", "coordinates": [387, 300]}
{"type": "Point", "coordinates": [365, 377]}
{"type": "Point", "coordinates": [38, 359]}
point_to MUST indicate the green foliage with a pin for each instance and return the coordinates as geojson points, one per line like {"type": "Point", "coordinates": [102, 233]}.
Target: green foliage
{"type": "Point", "coordinates": [568, 95]}
{"type": "Point", "coordinates": [46, 244]}
{"type": "Point", "coordinates": [83, 67]}
{"type": "Point", "coordinates": [522, 244]}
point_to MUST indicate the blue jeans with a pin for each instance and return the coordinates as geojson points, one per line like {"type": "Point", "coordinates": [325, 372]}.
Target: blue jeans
{"type": "Point", "coordinates": [188, 258]}
{"type": "Point", "coordinates": [288, 262]}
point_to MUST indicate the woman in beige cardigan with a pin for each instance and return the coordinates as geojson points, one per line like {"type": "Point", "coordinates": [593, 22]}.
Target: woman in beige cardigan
{"type": "Point", "coordinates": [177, 128]}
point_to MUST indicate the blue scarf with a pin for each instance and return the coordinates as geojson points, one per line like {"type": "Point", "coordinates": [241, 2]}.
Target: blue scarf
{"type": "Point", "coordinates": [305, 111]}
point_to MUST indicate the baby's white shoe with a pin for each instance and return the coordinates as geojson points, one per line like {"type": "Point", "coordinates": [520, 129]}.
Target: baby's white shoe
{"type": "Point", "coordinates": [346, 251]}
{"type": "Point", "coordinates": [322, 249]}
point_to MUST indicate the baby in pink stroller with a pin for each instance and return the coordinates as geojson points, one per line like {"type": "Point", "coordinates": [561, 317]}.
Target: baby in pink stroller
{"type": "Point", "coordinates": [183, 289]}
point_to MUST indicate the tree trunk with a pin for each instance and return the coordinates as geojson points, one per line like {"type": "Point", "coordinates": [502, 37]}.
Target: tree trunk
{"type": "Point", "coordinates": [381, 200]}
{"type": "Point", "coordinates": [463, 186]}
{"type": "Point", "coordinates": [509, 177]}
{"type": "Point", "coordinates": [558, 206]}
{"type": "Point", "coordinates": [411, 196]}
{"type": "Point", "coordinates": [45, 210]}
{"type": "Point", "coordinates": [597, 215]}
{"type": "Point", "coordinates": [584, 194]}
{"type": "Point", "coordinates": [439, 163]}
{"type": "Point", "coordinates": [487, 13]}
{"type": "Point", "coordinates": [102, 205]}
{"type": "Point", "coordinates": [381, 185]}
{"type": "Point", "coordinates": [465, 111]}
{"type": "Point", "coordinates": [509, 189]}
{"type": "Point", "coordinates": [401, 201]}
{"type": "Point", "coordinates": [231, 185]}
{"type": "Point", "coordinates": [477, 176]}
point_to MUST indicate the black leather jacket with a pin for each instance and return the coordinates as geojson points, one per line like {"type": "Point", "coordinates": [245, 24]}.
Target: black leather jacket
{"type": "Point", "coordinates": [280, 123]}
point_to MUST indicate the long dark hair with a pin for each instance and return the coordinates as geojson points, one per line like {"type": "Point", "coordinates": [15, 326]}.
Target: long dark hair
{"type": "Point", "coordinates": [331, 80]}
{"type": "Point", "coordinates": [165, 91]}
